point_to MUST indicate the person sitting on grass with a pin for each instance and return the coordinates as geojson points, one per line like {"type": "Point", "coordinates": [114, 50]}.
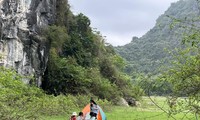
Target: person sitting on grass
{"type": "Point", "coordinates": [93, 109]}
{"type": "Point", "coordinates": [80, 116]}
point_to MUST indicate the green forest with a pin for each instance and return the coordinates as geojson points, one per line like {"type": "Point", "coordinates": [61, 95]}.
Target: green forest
{"type": "Point", "coordinates": [156, 52]}
{"type": "Point", "coordinates": [80, 62]}
{"type": "Point", "coordinates": [81, 65]}
{"type": "Point", "coordinates": [149, 53]}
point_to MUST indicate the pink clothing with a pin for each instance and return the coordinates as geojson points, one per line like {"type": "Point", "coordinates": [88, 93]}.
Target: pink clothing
{"type": "Point", "coordinates": [73, 118]}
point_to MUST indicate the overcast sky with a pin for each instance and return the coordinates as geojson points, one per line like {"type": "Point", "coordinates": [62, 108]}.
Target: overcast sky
{"type": "Point", "coordinates": [120, 20]}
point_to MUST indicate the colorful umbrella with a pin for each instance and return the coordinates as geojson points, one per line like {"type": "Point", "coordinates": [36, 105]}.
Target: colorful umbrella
{"type": "Point", "coordinates": [100, 116]}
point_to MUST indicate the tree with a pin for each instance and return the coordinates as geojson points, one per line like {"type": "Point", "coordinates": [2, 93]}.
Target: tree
{"type": "Point", "coordinates": [184, 74]}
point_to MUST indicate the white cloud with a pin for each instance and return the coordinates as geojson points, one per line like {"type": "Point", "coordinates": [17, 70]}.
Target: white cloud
{"type": "Point", "coordinates": [120, 20]}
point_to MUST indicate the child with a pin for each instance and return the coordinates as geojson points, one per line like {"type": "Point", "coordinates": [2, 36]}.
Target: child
{"type": "Point", "coordinates": [73, 117]}
{"type": "Point", "coordinates": [80, 116]}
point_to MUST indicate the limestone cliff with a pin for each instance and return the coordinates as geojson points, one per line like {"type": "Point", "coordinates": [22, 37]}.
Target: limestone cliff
{"type": "Point", "coordinates": [21, 46]}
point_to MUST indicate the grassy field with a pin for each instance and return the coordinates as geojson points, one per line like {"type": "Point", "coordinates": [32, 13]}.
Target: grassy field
{"type": "Point", "coordinates": [146, 111]}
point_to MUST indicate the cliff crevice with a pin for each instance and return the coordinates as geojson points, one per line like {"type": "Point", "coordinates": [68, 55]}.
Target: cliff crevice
{"type": "Point", "coordinates": [21, 46]}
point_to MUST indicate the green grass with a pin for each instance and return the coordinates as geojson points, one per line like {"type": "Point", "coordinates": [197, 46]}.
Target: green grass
{"type": "Point", "coordinates": [146, 111]}
{"type": "Point", "coordinates": [122, 113]}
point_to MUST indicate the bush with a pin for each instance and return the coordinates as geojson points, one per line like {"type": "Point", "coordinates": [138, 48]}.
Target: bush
{"type": "Point", "coordinates": [20, 101]}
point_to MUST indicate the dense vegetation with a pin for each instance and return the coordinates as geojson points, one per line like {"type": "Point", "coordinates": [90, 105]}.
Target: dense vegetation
{"type": "Point", "coordinates": [148, 53]}
{"type": "Point", "coordinates": [183, 74]}
{"type": "Point", "coordinates": [19, 101]}
{"type": "Point", "coordinates": [151, 54]}
{"type": "Point", "coordinates": [81, 66]}
{"type": "Point", "coordinates": [81, 63]}
{"type": "Point", "coordinates": [177, 31]}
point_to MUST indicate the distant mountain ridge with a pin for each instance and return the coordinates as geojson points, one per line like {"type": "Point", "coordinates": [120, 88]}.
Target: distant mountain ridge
{"type": "Point", "coordinates": [147, 54]}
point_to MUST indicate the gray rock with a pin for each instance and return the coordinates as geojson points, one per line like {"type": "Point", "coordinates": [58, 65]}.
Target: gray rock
{"type": "Point", "coordinates": [21, 45]}
{"type": "Point", "coordinates": [131, 101]}
{"type": "Point", "coordinates": [122, 102]}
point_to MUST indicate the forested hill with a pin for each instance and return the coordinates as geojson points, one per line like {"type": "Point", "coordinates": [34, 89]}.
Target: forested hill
{"type": "Point", "coordinates": [148, 53]}
{"type": "Point", "coordinates": [80, 62]}
{"type": "Point", "coordinates": [47, 46]}
{"type": "Point", "coordinates": [59, 52]}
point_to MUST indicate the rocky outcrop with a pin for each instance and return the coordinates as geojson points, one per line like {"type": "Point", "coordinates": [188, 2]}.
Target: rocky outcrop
{"type": "Point", "coordinates": [122, 102]}
{"type": "Point", "coordinates": [21, 46]}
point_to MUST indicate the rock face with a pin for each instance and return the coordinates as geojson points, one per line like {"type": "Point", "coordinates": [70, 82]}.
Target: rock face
{"type": "Point", "coordinates": [21, 46]}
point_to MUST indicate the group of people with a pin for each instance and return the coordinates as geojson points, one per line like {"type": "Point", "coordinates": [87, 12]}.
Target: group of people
{"type": "Point", "coordinates": [80, 116]}
{"type": "Point", "coordinates": [92, 115]}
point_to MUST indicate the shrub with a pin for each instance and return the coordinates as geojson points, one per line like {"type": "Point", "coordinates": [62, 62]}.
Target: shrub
{"type": "Point", "coordinates": [21, 101]}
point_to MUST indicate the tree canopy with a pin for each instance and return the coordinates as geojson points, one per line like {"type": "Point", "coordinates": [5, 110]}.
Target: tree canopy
{"type": "Point", "coordinates": [80, 62]}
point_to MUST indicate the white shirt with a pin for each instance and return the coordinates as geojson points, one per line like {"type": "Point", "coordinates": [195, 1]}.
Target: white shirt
{"type": "Point", "coordinates": [88, 117]}
{"type": "Point", "coordinates": [94, 109]}
{"type": "Point", "coordinates": [79, 118]}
